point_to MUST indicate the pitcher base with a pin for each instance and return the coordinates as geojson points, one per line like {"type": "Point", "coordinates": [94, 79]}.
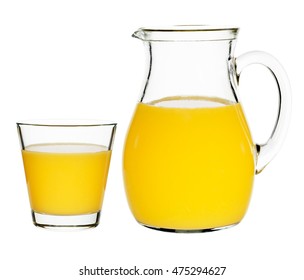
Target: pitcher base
{"type": "Point", "coordinates": [189, 230]}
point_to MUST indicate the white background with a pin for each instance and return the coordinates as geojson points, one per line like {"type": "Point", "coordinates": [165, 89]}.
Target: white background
{"type": "Point", "coordinates": [76, 59]}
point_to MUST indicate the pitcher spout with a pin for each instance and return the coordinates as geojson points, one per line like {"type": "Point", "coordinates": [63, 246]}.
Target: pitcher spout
{"type": "Point", "coordinates": [139, 34]}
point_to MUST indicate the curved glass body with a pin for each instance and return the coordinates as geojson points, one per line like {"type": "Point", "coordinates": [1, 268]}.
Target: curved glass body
{"type": "Point", "coordinates": [189, 159]}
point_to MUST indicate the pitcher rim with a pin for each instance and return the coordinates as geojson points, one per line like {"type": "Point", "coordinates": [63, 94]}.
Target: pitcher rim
{"type": "Point", "coordinates": [180, 33]}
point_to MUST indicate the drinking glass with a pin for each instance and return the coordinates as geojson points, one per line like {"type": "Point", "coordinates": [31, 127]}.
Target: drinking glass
{"type": "Point", "coordinates": [66, 165]}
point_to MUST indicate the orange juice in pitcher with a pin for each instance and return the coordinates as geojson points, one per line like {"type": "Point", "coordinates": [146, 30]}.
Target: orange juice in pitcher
{"type": "Point", "coordinates": [183, 163]}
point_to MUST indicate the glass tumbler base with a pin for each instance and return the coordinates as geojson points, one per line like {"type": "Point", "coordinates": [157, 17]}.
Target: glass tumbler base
{"type": "Point", "coordinates": [68, 222]}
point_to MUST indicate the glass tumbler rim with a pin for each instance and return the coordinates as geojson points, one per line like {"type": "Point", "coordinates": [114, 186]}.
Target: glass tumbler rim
{"type": "Point", "coordinates": [66, 122]}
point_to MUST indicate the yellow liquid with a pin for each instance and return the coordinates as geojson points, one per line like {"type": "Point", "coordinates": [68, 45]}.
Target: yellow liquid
{"type": "Point", "coordinates": [66, 179]}
{"type": "Point", "coordinates": [189, 163]}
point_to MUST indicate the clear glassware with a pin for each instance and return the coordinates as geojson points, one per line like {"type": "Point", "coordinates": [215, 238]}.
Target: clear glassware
{"type": "Point", "coordinates": [66, 166]}
{"type": "Point", "coordinates": [189, 159]}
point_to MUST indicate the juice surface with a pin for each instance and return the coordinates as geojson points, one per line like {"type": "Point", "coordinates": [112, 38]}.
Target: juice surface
{"type": "Point", "coordinates": [66, 179]}
{"type": "Point", "coordinates": [189, 163]}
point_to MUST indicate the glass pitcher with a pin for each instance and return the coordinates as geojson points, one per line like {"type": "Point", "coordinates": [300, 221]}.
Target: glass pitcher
{"type": "Point", "coordinates": [189, 158]}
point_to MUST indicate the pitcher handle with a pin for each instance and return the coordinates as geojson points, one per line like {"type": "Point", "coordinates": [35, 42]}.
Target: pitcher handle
{"type": "Point", "coordinates": [268, 150]}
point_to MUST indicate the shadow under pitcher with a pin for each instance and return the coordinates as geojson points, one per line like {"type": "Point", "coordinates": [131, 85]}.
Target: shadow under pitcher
{"type": "Point", "coordinates": [189, 159]}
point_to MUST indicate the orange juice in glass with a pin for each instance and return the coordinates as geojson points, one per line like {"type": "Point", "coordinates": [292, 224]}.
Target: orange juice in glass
{"type": "Point", "coordinates": [66, 166]}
